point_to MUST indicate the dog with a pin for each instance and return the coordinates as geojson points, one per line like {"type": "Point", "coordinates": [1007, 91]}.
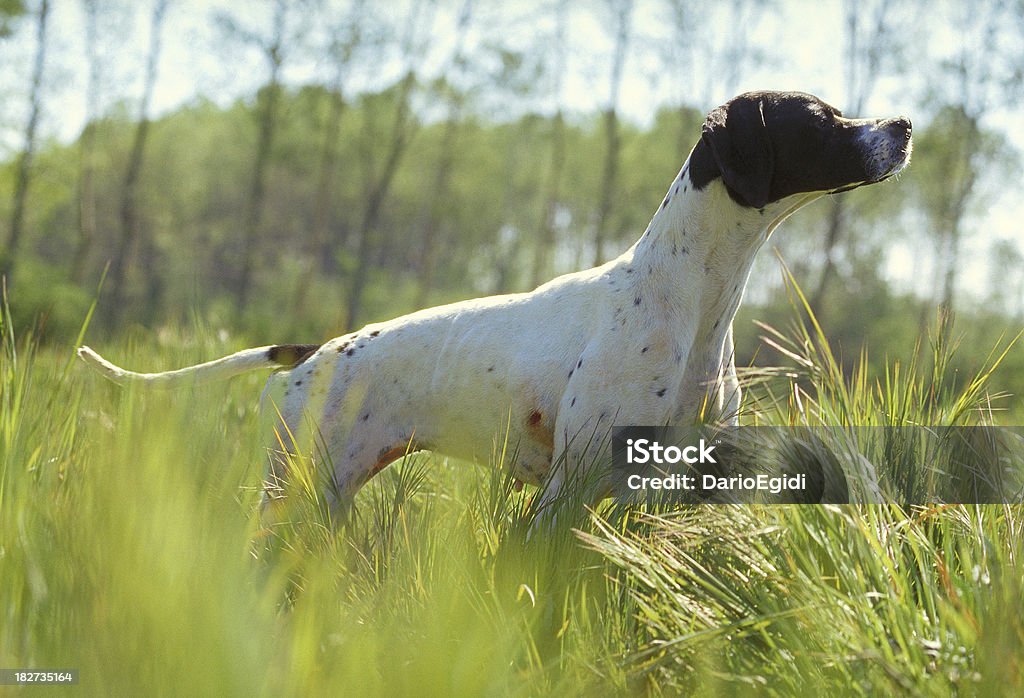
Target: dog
{"type": "Point", "coordinates": [645, 339]}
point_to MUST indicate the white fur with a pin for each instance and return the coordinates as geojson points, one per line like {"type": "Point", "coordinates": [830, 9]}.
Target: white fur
{"type": "Point", "coordinates": [645, 339]}
{"type": "Point", "coordinates": [552, 367]}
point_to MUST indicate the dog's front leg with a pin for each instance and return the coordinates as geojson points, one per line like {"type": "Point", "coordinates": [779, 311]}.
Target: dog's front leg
{"type": "Point", "coordinates": [731, 392]}
{"type": "Point", "coordinates": [581, 467]}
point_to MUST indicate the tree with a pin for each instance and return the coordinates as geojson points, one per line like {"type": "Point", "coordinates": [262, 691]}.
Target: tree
{"type": "Point", "coordinates": [1007, 282]}
{"type": "Point", "coordinates": [87, 148]}
{"type": "Point", "coordinates": [983, 73]}
{"type": "Point", "coordinates": [273, 49]}
{"type": "Point", "coordinates": [952, 154]}
{"type": "Point", "coordinates": [455, 97]}
{"type": "Point", "coordinates": [540, 268]}
{"type": "Point", "coordinates": [24, 167]}
{"type": "Point", "coordinates": [346, 37]}
{"type": "Point", "coordinates": [130, 223]}
{"type": "Point", "coordinates": [622, 11]}
{"type": "Point", "coordinates": [873, 33]}
{"type": "Point", "coordinates": [403, 125]}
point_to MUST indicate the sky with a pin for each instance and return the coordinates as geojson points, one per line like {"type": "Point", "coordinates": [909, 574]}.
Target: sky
{"type": "Point", "coordinates": [801, 41]}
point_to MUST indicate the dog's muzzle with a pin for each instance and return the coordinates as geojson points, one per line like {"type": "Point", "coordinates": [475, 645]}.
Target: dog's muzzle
{"type": "Point", "coordinates": [888, 146]}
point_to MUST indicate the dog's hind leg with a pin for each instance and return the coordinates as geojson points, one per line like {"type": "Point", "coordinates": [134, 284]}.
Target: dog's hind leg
{"type": "Point", "coordinates": [280, 431]}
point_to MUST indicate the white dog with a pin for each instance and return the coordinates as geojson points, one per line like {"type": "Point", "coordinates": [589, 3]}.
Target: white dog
{"type": "Point", "coordinates": [645, 339]}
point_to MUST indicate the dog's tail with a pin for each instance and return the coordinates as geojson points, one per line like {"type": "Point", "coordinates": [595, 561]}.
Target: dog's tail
{"type": "Point", "coordinates": [277, 356]}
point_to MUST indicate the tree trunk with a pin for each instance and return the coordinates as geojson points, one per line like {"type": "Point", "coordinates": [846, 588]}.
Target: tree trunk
{"type": "Point", "coordinates": [962, 177]}
{"type": "Point", "coordinates": [429, 245]}
{"type": "Point", "coordinates": [541, 267]}
{"type": "Point", "coordinates": [864, 51]}
{"type": "Point", "coordinates": [318, 244]}
{"type": "Point", "coordinates": [24, 169]}
{"type": "Point", "coordinates": [129, 192]}
{"type": "Point", "coordinates": [957, 210]}
{"type": "Point", "coordinates": [374, 203]}
{"type": "Point", "coordinates": [401, 133]}
{"type": "Point", "coordinates": [264, 142]}
{"type": "Point", "coordinates": [609, 179]}
{"type": "Point", "coordinates": [87, 151]}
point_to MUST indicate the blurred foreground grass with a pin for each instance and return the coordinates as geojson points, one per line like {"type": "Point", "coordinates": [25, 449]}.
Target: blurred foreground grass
{"type": "Point", "coordinates": [131, 549]}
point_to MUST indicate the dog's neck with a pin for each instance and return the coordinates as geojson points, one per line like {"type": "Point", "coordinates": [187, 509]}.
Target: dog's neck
{"type": "Point", "coordinates": [696, 254]}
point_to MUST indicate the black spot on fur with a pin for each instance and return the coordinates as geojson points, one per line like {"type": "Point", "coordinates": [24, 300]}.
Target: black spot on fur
{"type": "Point", "coordinates": [490, 369]}
{"type": "Point", "coordinates": [298, 383]}
{"type": "Point", "coordinates": [570, 374]}
{"type": "Point", "coordinates": [291, 354]}
{"type": "Point", "coordinates": [661, 393]}
{"type": "Point", "coordinates": [636, 301]}
{"type": "Point", "coordinates": [644, 350]}
{"type": "Point", "coordinates": [573, 403]}
{"type": "Point", "coordinates": [717, 323]}
{"type": "Point", "coordinates": [629, 270]}
{"type": "Point", "coordinates": [351, 351]}
{"type": "Point", "coordinates": [579, 364]}
{"type": "Point", "coordinates": [375, 333]}
{"type": "Point", "coordinates": [366, 416]}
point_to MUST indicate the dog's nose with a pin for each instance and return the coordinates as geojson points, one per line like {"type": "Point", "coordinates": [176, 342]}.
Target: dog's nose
{"type": "Point", "coordinates": [901, 124]}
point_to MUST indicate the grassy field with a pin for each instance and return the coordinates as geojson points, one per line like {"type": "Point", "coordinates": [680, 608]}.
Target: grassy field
{"type": "Point", "coordinates": [131, 549]}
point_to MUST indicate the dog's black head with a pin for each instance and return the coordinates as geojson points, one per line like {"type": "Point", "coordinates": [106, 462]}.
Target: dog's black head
{"type": "Point", "coordinates": [769, 145]}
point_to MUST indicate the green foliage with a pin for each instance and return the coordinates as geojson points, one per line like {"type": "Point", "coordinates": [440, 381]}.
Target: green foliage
{"type": "Point", "coordinates": [10, 11]}
{"type": "Point", "coordinates": [131, 518]}
{"type": "Point", "coordinates": [51, 302]}
{"type": "Point", "coordinates": [193, 197]}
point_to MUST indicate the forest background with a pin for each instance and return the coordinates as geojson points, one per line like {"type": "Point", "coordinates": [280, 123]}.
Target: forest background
{"type": "Point", "coordinates": [287, 171]}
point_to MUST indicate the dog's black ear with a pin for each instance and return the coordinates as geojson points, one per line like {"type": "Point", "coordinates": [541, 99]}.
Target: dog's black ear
{"type": "Point", "coordinates": [738, 138]}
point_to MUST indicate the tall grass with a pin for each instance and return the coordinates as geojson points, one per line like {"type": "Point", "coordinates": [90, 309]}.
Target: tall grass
{"type": "Point", "coordinates": [131, 548]}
